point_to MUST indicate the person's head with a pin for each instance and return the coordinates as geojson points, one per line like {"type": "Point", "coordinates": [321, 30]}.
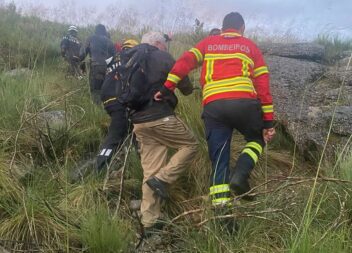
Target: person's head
{"type": "Point", "coordinates": [118, 47]}
{"type": "Point", "coordinates": [127, 44]}
{"type": "Point", "coordinates": [101, 30]}
{"type": "Point", "coordinates": [233, 20]}
{"type": "Point", "coordinates": [215, 31]}
{"type": "Point", "coordinates": [72, 30]}
{"type": "Point", "coordinates": [155, 39]}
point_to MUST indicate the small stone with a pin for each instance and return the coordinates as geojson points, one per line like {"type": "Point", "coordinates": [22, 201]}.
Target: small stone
{"type": "Point", "coordinates": [18, 72]}
{"type": "Point", "coordinates": [135, 205]}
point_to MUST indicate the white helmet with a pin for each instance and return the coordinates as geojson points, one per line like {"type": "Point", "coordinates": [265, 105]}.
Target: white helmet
{"type": "Point", "coordinates": [73, 28]}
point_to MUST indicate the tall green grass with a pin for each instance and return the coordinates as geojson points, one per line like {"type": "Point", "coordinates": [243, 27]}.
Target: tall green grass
{"type": "Point", "coordinates": [346, 167]}
{"type": "Point", "coordinates": [26, 41]}
{"type": "Point", "coordinates": [334, 46]}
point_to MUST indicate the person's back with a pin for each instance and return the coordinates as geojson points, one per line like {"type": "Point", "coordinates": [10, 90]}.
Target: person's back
{"type": "Point", "coordinates": [116, 70]}
{"type": "Point", "coordinates": [70, 49]}
{"type": "Point", "coordinates": [149, 78]}
{"type": "Point", "coordinates": [100, 48]}
{"type": "Point", "coordinates": [71, 45]}
{"type": "Point", "coordinates": [230, 63]}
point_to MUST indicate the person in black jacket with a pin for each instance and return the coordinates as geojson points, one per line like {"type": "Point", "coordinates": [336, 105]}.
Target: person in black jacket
{"type": "Point", "coordinates": [110, 92]}
{"type": "Point", "coordinates": [100, 48]}
{"type": "Point", "coordinates": [155, 124]}
{"type": "Point", "coordinates": [70, 48]}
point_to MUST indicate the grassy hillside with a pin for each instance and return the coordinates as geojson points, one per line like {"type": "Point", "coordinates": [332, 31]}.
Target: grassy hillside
{"type": "Point", "coordinates": [42, 209]}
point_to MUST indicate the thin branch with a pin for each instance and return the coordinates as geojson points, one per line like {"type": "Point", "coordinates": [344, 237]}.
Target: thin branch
{"type": "Point", "coordinates": [187, 213]}
{"type": "Point", "coordinates": [249, 214]}
{"type": "Point", "coordinates": [123, 176]}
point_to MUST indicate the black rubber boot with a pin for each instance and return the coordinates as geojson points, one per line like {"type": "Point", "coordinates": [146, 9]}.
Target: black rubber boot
{"type": "Point", "coordinates": [159, 187]}
{"type": "Point", "coordinates": [240, 185]}
{"type": "Point", "coordinates": [239, 178]}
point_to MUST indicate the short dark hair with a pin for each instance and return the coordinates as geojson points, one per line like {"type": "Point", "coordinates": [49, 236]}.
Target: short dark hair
{"type": "Point", "coordinates": [233, 20]}
{"type": "Point", "coordinates": [215, 31]}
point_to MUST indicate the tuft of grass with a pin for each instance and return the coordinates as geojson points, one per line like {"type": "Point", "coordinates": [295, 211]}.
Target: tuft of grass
{"type": "Point", "coordinates": [102, 232]}
{"type": "Point", "coordinates": [31, 218]}
{"type": "Point", "coordinates": [334, 46]}
{"type": "Point", "coordinates": [337, 241]}
{"type": "Point", "coordinates": [346, 167]}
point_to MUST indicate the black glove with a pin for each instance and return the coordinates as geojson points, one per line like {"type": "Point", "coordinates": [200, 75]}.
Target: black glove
{"type": "Point", "coordinates": [185, 86]}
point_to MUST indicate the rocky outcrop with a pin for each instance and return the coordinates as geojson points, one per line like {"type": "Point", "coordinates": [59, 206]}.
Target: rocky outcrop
{"type": "Point", "coordinates": [49, 121]}
{"type": "Point", "coordinates": [342, 71]}
{"type": "Point", "coordinates": [45, 127]}
{"type": "Point", "coordinates": [309, 95]}
{"type": "Point", "coordinates": [18, 72]}
{"type": "Point", "coordinates": [306, 51]}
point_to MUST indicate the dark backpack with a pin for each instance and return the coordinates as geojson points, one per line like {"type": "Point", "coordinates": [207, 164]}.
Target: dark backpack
{"type": "Point", "coordinates": [136, 91]}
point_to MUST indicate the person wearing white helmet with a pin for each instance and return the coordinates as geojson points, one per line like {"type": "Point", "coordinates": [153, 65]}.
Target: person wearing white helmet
{"type": "Point", "coordinates": [70, 47]}
{"type": "Point", "coordinates": [73, 29]}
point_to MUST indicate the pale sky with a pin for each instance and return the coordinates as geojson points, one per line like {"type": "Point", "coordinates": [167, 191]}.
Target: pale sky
{"type": "Point", "coordinates": [301, 18]}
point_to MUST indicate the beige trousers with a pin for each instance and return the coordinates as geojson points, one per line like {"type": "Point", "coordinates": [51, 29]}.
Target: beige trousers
{"type": "Point", "coordinates": [154, 139]}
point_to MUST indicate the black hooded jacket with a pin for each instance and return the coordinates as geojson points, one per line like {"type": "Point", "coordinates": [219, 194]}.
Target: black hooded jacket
{"type": "Point", "coordinates": [98, 46]}
{"type": "Point", "coordinates": [147, 79]}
